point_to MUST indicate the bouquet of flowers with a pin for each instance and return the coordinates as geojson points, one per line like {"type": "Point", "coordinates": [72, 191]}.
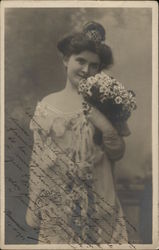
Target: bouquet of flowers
{"type": "Point", "coordinates": [109, 96]}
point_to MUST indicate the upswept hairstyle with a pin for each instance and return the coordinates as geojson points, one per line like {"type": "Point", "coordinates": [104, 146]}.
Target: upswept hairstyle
{"type": "Point", "coordinates": [92, 38]}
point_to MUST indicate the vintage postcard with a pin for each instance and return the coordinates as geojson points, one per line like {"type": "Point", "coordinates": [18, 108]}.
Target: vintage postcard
{"type": "Point", "coordinates": [79, 125]}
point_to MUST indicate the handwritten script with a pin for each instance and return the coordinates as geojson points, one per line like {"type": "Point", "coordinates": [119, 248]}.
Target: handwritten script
{"type": "Point", "coordinates": [44, 185]}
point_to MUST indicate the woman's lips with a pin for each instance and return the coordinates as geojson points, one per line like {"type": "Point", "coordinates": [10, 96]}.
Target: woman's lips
{"type": "Point", "coordinates": [82, 76]}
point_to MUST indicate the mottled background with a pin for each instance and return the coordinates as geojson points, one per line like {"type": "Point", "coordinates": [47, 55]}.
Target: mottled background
{"type": "Point", "coordinates": [33, 69]}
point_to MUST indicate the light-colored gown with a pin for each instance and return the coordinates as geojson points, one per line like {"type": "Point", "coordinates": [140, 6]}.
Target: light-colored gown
{"type": "Point", "coordinates": [72, 193]}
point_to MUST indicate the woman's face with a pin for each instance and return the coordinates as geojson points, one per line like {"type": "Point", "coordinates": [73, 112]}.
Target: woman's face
{"type": "Point", "coordinates": [81, 66]}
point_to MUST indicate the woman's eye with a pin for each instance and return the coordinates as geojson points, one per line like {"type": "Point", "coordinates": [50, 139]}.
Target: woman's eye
{"type": "Point", "coordinates": [81, 61]}
{"type": "Point", "coordinates": [94, 66]}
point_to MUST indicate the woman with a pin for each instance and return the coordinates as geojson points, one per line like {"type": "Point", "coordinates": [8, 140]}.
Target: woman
{"type": "Point", "coordinates": [72, 193]}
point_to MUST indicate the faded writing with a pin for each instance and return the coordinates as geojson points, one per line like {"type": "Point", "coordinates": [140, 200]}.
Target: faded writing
{"type": "Point", "coordinates": [38, 194]}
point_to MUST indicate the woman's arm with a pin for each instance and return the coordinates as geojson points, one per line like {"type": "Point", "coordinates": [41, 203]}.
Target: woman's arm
{"type": "Point", "coordinates": [114, 144]}
{"type": "Point", "coordinates": [37, 165]}
{"type": "Point", "coordinates": [32, 215]}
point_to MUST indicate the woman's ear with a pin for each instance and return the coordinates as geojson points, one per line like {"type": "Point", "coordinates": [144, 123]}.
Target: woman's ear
{"type": "Point", "coordinates": [65, 60]}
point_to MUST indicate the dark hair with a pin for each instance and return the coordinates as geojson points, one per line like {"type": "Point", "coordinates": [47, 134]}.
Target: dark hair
{"type": "Point", "coordinates": [91, 38]}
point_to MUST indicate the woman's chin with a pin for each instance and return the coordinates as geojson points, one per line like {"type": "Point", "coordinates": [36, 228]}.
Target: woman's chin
{"type": "Point", "coordinates": [75, 83]}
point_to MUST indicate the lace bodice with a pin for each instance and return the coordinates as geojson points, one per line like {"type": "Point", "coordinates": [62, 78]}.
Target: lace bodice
{"type": "Point", "coordinates": [71, 132]}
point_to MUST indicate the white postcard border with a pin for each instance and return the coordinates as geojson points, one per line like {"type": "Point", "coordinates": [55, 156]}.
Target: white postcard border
{"type": "Point", "coordinates": [87, 4]}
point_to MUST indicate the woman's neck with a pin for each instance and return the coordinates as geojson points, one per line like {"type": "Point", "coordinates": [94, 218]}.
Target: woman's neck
{"type": "Point", "coordinates": [71, 88]}
{"type": "Point", "coordinates": [71, 91]}
{"type": "Point", "coordinates": [71, 97]}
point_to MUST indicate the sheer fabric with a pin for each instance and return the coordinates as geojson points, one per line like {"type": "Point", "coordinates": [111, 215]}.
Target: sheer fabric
{"type": "Point", "coordinates": [72, 193]}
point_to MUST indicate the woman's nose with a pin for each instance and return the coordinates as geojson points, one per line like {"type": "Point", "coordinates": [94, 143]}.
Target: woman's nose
{"type": "Point", "coordinates": [85, 69]}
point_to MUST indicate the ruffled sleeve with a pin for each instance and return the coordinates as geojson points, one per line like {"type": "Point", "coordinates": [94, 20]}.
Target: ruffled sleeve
{"type": "Point", "coordinates": [40, 119]}
{"type": "Point", "coordinates": [40, 125]}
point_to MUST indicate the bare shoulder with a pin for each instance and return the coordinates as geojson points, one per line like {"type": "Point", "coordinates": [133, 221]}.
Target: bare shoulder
{"type": "Point", "coordinates": [54, 99]}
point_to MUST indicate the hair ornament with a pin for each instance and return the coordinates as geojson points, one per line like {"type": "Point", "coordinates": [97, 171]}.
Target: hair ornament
{"type": "Point", "coordinates": [95, 32]}
{"type": "Point", "coordinates": [94, 35]}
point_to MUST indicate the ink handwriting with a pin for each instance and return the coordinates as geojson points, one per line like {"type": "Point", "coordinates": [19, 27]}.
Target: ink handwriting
{"type": "Point", "coordinates": [49, 181]}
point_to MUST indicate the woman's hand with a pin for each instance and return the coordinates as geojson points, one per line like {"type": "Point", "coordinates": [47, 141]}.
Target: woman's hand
{"type": "Point", "coordinates": [99, 120]}
{"type": "Point", "coordinates": [31, 219]}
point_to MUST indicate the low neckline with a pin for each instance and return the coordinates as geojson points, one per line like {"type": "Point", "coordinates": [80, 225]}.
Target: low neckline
{"type": "Point", "coordinates": [54, 109]}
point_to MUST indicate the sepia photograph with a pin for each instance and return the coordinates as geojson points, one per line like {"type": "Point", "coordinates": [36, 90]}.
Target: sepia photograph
{"type": "Point", "coordinates": [79, 125]}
